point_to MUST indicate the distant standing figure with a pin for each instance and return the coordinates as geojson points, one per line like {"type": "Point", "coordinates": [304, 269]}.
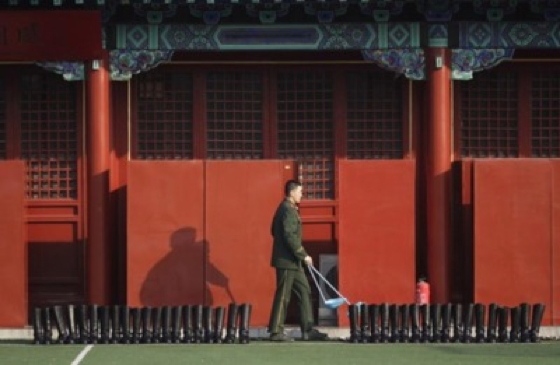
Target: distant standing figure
{"type": "Point", "coordinates": [289, 257]}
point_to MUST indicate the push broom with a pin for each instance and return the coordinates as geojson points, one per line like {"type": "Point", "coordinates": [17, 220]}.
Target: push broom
{"type": "Point", "coordinates": [331, 303]}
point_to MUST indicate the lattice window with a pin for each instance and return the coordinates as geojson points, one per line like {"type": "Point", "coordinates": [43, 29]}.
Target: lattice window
{"type": "Point", "coordinates": [489, 126]}
{"type": "Point", "coordinates": [305, 128]}
{"type": "Point", "coordinates": [2, 120]}
{"type": "Point", "coordinates": [49, 136]}
{"type": "Point", "coordinates": [545, 114]}
{"type": "Point", "coordinates": [234, 115]}
{"type": "Point", "coordinates": [164, 127]}
{"type": "Point", "coordinates": [374, 114]}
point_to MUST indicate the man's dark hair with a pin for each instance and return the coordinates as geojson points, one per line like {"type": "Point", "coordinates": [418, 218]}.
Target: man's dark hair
{"type": "Point", "coordinates": [291, 185]}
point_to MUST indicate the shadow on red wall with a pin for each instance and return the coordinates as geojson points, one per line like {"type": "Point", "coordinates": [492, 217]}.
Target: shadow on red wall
{"type": "Point", "coordinates": [166, 282]}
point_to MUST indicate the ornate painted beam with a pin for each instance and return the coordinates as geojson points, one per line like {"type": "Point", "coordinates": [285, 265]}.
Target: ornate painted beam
{"type": "Point", "coordinates": [335, 36]}
{"type": "Point", "coordinates": [508, 34]}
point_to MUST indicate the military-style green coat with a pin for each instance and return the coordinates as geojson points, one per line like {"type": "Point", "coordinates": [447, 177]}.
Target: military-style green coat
{"type": "Point", "coordinates": [287, 251]}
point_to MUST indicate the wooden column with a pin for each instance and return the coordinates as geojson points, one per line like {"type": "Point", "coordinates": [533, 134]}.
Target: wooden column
{"type": "Point", "coordinates": [98, 116]}
{"type": "Point", "coordinates": [438, 171]}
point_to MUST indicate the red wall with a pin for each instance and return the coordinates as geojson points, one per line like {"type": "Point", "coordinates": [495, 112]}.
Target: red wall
{"type": "Point", "coordinates": [13, 260]}
{"type": "Point", "coordinates": [513, 232]}
{"type": "Point", "coordinates": [165, 245]}
{"type": "Point", "coordinates": [377, 233]}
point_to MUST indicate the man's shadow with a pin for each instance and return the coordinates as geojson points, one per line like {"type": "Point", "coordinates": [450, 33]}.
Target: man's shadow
{"type": "Point", "coordinates": [183, 276]}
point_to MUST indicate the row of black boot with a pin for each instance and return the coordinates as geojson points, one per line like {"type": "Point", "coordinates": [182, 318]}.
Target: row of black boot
{"type": "Point", "coordinates": [444, 323]}
{"type": "Point", "coordinates": [92, 324]}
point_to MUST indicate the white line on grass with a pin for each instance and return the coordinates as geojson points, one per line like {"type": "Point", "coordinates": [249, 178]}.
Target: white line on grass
{"type": "Point", "coordinates": [81, 355]}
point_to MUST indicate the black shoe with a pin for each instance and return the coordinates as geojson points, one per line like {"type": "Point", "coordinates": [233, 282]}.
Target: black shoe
{"type": "Point", "coordinates": [280, 337]}
{"type": "Point", "coordinates": [314, 335]}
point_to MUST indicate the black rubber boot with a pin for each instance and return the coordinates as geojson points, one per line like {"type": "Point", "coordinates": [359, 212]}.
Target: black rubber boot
{"type": "Point", "coordinates": [38, 329]}
{"type": "Point", "coordinates": [47, 326]}
{"type": "Point", "coordinates": [404, 323]}
{"type": "Point", "coordinates": [435, 315]}
{"type": "Point", "coordinates": [231, 329]}
{"type": "Point", "coordinates": [82, 331]}
{"type": "Point", "coordinates": [156, 324]}
{"type": "Point", "coordinates": [245, 323]}
{"type": "Point", "coordinates": [425, 318]}
{"type": "Point", "coordinates": [479, 319]}
{"type": "Point", "coordinates": [446, 312]}
{"type": "Point", "coordinates": [374, 323]}
{"type": "Point", "coordinates": [93, 324]}
{"type": "Point", "coordinates": [467, 323]}
{"type": "Point", "coordinates": [457, 316]}
{"type": "Point", "coordinates": [124, 316]}
{"type": "Point", "coordinates": [198, 326]}
{"type": "Point", "coordinates": [492, 323]}
{"type": "Point", "coordinates": [502, 324]}
{"type": "Point", "coordinates": [146, 325]}
{"type": "Point", "coordinates": [384, 311]}
{"type": "Point", "coordinates": [365, 332]}
{"type": "Point", "coordinates": [415, 322]}
{"type": "Point", "coordinates": [186, 316]}
{"type": "Point", "coordinates": [525, 312]}
{"type": "Point", "coordinates": [176, 324]}
{"type": "Point", "coordinates": [208, 321]}
{"type": "Point", "coordinates": [60, 324]}
{"type": "Point", "coordinates": [353, 317]}
{"type": "Point", "coordinates": [103, 315]}
{"type": "Point", "coordinates": [219, 324]}
{"type": "Point", "coordinates": [137, 325]}
{"type": "Point", "coordinates": [115, 320]}
{"type": "Point", "coordinates": [538, 312]}
{"type": "Point", "coordinates": [394, 323]}
{"type": "Point", "coordinates": [68, 314]}
{"type": "Point", "coordinates": [166, 325]}
{"type": "Point", "coordinates": [515, 313]}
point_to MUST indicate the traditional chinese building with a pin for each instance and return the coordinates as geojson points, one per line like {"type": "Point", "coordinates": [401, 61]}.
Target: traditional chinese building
{"type": "Point", "coordinates": [144, 146]}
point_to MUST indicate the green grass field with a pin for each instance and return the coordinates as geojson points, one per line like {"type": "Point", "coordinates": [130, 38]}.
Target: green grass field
{"type": "Point", "coordinates": [307, 353]}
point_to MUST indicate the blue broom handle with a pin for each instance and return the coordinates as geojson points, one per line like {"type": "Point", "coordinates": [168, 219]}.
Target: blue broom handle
{"type": "Point", "coordinates": [309, 267]}
{"type": "Point", "coordinates": [328, 283]}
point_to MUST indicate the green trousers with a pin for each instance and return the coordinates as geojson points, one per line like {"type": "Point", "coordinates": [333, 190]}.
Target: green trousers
{"type": "Point", "coordinates": [288, 281]}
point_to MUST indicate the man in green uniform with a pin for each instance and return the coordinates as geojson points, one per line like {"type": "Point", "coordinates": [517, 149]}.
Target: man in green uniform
{"type": "Point", "coordinates": [289, 258]}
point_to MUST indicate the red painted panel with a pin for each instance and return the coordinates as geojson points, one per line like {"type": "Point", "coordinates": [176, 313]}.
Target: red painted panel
{"type": "Point", "coordinates": [165, 260]}
{"type": "Point", "coordinates": [318, 232]}
{"type": "Point", "coordinates": [241, 197]}
{"type": "Point", "coordinates": [554, 310]}
{"type": "Point", "coordinates": [50, 35]}
{"type": "Point", "coordinates": [512, 232]}
{"type": "Point", "coordinates": [52, 232]}
{"type": "Point", "coordinates": [13, 261]}
{"type": "Point", "coordinates": [376, 248]}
